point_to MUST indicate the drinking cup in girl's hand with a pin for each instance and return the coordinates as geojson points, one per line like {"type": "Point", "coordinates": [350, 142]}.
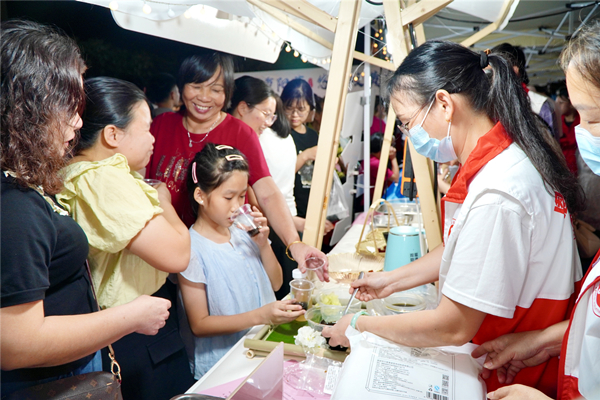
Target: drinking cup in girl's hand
{"type": "Point", "coordinates": [243, 219]}
{"type": "Point", "coordinates": [152, 182]}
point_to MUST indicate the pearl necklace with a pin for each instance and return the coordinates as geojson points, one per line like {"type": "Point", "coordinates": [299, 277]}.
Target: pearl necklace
{"type": "Point", "coordinates": [206, 134]}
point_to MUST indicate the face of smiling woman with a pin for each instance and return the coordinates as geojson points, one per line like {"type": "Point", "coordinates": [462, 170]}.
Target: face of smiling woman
{"type": "Point", "coordinates": [203, 102]}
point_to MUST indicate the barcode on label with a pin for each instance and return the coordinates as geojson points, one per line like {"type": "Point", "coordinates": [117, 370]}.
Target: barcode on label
{"type": "Point", "coordinates": [436, 396]}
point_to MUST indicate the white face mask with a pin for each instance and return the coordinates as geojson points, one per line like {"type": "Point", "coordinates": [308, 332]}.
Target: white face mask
{"type": "Point", "coordinates": [589, 148]}
{"type": "Point", "coordinates": [438, 150]}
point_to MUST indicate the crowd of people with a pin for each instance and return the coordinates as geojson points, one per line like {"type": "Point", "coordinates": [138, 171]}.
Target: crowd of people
{"type": "Point", "coordinates": [93, 172]}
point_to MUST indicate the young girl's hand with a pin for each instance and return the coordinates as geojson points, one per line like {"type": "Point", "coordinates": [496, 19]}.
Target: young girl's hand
{"type": "Point", "coordinates": [262, 239]}
{"type": "Point", "coordinates": [280, 312]}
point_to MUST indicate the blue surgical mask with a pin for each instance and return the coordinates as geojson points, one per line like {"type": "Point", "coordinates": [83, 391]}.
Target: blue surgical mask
{"type": "Point", "coordinates": [589, 148]}
{"type": "Point", "coordinates": [437, 150]}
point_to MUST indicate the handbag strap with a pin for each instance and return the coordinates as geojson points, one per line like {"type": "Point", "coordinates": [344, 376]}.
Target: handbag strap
{"type": "Point", "coordinates": [115, 368]}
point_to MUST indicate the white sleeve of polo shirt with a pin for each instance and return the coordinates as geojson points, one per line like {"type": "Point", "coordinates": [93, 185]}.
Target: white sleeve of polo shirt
{"type": "Point", "coordinates": [489, 265]}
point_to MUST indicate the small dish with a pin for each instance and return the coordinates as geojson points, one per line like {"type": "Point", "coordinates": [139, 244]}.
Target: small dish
{"type": "Point", "coordinates": [320, 317]}
{"type": "Point", "coordinates": [402, 303]}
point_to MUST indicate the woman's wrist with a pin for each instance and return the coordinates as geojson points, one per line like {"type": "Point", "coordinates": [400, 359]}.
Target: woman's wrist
{"type": "Point", "coordinates": [354, 321]}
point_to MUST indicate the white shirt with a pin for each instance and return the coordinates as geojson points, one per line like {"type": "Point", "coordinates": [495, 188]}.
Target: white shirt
{"type": "Point", "coordinates": [511, 243]}
{"type": "Point", "coordinates": [280, 155]}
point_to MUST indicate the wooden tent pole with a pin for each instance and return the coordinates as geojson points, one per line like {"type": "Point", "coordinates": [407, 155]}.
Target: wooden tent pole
{"type": "Point", "coordinates": [421, 166]}
{"type": "Point", "coordinates": [471, 40]}
{"type": "Point", "coordinates": [337, 89]}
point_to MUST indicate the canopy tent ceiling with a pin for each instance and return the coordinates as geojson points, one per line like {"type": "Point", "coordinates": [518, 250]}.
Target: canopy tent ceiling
{"type": "Point", "coordinates": [540, 27]}
{"type": "Point", "coordinates": [258, 29]}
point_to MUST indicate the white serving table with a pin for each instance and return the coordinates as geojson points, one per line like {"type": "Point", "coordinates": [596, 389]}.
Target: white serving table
{"type": "Point", "coordinates": [234, 365]}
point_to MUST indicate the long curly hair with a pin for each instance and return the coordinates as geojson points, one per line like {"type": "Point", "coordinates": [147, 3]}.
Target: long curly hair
{"type": "Point", "coordinates": [42, 90]}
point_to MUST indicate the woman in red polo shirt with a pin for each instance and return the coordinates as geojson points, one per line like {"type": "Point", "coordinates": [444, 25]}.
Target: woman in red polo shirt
{"type": "Point", "coordinates": [206, 84]}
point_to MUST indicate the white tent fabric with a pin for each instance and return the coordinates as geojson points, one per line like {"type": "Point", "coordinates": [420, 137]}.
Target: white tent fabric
{"type": "Point", "coordinates": [237, 27]}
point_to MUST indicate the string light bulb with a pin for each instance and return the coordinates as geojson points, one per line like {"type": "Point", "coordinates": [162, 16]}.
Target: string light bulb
{"type": "Point", "coordinates": [304, 59]}
{"type": "Point", "coordinates": [380, 30]}
{"type": "Point", "coordinates": [113, 5]}
{"type": "Point", "coordinates": [376, 34]}
{"type": "Point", "coordinates": [187, 14]}
{"type": "Point", "coordinates": [288, 48]}
{"type": "Point", "coordinates": [362, 73]}
{"type": "Point", "coordinates": [328, 60]}
{"type": "Point", "coordinates": [375, 45]}
{"type": "Point", "coordinates": [146, 9]}
{"type": "Point", "coordinates": [296, 54]}
{"type": "Point", "coordinates": [356, 79]}
{"type": "Point", "coordinates": [171, 13]}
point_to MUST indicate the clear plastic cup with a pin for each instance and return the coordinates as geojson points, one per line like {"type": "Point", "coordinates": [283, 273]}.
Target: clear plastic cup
{"type": "Point", "coordinates": [301, 291]}
{"type": "Point", "coordinates": [152, 182]}
{"type": "Point", "coordinates": [315, 264]}
{"type": "Point", "coordinates": [306, 173]}
{"type": "Point", "coordinates": [243, 219]}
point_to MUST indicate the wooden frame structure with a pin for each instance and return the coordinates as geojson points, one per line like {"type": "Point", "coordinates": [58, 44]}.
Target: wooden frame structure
{"type": "Point", "coordinates": [345, 27]}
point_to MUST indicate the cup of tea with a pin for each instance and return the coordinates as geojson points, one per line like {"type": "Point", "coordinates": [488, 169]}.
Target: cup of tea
{"type": "Point", "coordinates": [243, 219]}
{"type": "Point", "coordinates": [301, 291]}
{"type": "Point", "coordinates": [152, 182]}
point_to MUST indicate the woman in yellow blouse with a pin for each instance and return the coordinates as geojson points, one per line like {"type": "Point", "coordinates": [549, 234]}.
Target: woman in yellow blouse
{"type": "Point", "coordinates": [136, 238]}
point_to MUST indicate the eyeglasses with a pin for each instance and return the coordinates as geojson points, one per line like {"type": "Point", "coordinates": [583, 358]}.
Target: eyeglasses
{"type": "Point", "coordinates": [403, 126]}
{"type": "Point", "coordinates": [300, 111]}
{"type": "Point", "coordinates": [269, 118]}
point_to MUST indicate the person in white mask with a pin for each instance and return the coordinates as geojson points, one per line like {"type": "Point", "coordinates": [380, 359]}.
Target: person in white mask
{"type": "Point", "coordinates": [509, 259]}
{"type": "Point", "coordinates": [576, 340]}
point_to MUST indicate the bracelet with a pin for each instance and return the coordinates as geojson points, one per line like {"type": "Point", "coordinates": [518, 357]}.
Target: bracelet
{"type": "Point", "coordinates": [287, 249]}
{"type": "Point", "coordinates": [355, 318]}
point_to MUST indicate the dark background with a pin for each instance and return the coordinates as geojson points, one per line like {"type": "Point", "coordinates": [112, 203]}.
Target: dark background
{"type": "Point", "coordinates": [110, 50]}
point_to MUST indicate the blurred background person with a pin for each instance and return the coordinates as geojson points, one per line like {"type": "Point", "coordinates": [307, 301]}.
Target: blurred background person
{"type": "Point", "coordinates": [255, 103]}
{"type": "Point", "coordinates": [163, 93]}
{"type": "Point", "coordinates": [541, 105]}
{"type": "Point", "coordinates": [570, 119]}
{"type": "Point", "coordinates": [298, 102]}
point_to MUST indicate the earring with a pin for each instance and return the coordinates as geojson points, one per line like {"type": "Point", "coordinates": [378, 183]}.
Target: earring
{"type": "Point", "coordinates": [201, 202]}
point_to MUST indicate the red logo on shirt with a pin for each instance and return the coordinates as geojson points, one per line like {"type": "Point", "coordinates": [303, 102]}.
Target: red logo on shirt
{"type": "Point", "coordinates": [560, 205]}
{"type": "Point", "coordinates": [596, 300]}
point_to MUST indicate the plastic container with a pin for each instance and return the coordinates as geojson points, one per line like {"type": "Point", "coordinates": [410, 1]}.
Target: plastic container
{"type": "Point", "coordinates": [301, 291]}
{"type": "Point", "coordinates": [341, 293]}
{"type": "Point", "coordinates": [402, 303]}
{"type": "Point", "coordinates": [327, 314]}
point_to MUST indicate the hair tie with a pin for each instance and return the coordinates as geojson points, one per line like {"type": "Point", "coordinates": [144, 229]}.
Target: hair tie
{"type": "Point", "coordinates": [483, 59]}
{"type": "Point", "coordinates": [194, 177]}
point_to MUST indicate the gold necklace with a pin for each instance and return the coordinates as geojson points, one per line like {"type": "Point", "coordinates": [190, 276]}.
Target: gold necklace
{"type": "Point", "coordinates": [206, 134]}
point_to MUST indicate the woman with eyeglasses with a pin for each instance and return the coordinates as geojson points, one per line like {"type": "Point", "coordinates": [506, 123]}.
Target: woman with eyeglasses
{"type": "Point", "coordinates": [298, 102]}
{"type": "Point", "coordinates": [576, 340]}
{"type": "Point", "coordinates": [509, 261]}
{"type": "Point", "coordinates": [206, 85]}
{"type": "Point", "coordinates": [256, 104]}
